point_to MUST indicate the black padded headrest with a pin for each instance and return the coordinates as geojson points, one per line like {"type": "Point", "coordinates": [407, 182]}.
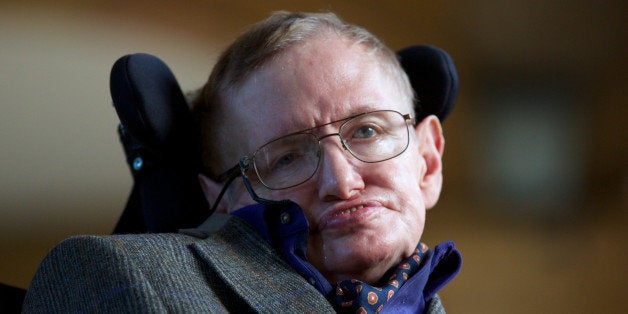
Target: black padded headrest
{"type": "Point", "coordinates": [434, 79]}
{"type": "Point", "coordinates": [160, 145]}
{"type": "Point", "coordinates": [149, 101]}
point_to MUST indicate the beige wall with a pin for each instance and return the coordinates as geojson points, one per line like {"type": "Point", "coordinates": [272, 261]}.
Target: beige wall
{"type": "Point", "coordinates": [62, 170]}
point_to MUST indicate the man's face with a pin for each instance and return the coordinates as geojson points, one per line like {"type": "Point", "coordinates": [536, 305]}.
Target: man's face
{"type": "Point", "coordinates": [364, 218]}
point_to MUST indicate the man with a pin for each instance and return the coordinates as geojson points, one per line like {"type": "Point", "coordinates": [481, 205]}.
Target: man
{"type": "Point", "coordinates": [317, 117]}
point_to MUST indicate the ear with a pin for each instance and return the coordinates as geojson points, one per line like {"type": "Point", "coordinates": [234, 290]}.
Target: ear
{"type": "Point", "coordinates": [211, 189]}
{"type": "Point", "coordinates": [431, 147]}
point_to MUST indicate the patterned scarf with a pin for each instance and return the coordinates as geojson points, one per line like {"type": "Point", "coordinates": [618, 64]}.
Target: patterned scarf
{"type": "Point", "coordinates": [354, 296]}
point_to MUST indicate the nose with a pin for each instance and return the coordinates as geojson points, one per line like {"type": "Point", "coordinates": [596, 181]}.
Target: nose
{"type": "Point", "coordinates": [338, 177]}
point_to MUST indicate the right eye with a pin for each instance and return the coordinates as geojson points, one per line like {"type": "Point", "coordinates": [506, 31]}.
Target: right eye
{"type": "Point", "coordinates": [285, 161]}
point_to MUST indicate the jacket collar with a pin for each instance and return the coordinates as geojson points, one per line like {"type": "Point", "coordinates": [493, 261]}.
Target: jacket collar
{"type": "Point", "coordinates": [253, 270]}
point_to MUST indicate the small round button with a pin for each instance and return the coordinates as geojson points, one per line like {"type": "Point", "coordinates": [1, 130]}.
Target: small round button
{"type": "Point", "coordinates": [138, 162]}
{"type": "Point", "coordinates": [285, 218]}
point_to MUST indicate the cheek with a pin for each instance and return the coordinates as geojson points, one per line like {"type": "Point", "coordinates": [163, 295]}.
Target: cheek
{"type": "Point", "coordinates": [303, 195]}
{"type": "Point", "coordinates": [399, 174]}
{"type": "Point", "coordinates": [401, 181]}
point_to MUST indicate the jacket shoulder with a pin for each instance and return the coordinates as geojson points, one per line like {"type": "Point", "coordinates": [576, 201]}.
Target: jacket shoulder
{"type": "Point", "coordinates": [112, 274]}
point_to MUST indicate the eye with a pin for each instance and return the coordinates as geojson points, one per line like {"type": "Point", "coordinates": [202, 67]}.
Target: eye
{"type": "Point", "coordinates": [364, 132]}
{"type": "Point", "coordinates": [285, 160]}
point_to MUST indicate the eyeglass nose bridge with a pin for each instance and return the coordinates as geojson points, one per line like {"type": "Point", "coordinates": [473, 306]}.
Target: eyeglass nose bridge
{"type": "Point", "coordinates": [342, 141]}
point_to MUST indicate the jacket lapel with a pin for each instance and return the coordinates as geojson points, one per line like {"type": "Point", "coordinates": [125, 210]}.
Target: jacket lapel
{"type": "Point", "coordinates": [255, 272]}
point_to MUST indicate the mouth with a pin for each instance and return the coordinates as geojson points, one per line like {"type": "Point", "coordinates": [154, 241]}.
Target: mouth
{"type": "Point", "coordinates": [347, 218]}
{"type": "Point", "coordinates": [349, 210]}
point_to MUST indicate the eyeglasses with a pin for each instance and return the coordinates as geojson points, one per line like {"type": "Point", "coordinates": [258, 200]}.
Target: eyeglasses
{"type": "Point", "coordinates": [293, 159]}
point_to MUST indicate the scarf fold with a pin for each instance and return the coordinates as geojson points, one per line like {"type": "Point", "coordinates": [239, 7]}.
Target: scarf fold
{"type": "Point", "coordinates": [354, 296]}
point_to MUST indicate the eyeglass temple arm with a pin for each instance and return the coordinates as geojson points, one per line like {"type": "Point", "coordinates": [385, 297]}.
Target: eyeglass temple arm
{"type": "Point", "coordinates": [244, 167]}
{"type": "Point", "coordinates": [231, 175]}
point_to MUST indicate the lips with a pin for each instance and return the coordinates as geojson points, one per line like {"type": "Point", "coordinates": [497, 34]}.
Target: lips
{"type": "Point", "coordinates": [348, 217]}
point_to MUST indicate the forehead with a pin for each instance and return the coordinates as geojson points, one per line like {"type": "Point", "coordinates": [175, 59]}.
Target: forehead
{"type": "Point", "coordinates": [309, 84]}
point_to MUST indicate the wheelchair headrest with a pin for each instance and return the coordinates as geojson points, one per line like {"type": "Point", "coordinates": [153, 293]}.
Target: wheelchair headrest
{"type": "Point", "coordinates": [433, 77]}
{"type": "Point", "coordinates": [149, 102]}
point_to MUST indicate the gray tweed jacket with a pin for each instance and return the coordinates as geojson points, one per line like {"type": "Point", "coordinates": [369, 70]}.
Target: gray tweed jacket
{"type": "Point", "coordinates": [223, 268]}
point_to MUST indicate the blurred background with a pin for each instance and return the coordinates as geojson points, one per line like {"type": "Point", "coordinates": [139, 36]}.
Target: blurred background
{"type": "Point", "coordinates": [536, 176]}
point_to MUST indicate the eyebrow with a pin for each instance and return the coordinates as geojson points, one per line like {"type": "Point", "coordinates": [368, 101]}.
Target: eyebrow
{"type": "Point", "coordinates": [359, 110]}
{"type": "Point", "coordinates": [354, 114]}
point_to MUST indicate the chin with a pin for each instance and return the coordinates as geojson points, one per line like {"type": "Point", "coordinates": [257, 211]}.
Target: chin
{"type": "Point", "coordinates": [364, 265]}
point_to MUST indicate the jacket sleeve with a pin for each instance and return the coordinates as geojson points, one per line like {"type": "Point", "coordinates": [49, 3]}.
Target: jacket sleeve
{"type": "Point", "coordinates": [90, 274]}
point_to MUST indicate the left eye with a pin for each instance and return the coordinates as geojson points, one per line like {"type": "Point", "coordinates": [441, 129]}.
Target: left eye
{"type": "Point", "coordinates": [364, 132]}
